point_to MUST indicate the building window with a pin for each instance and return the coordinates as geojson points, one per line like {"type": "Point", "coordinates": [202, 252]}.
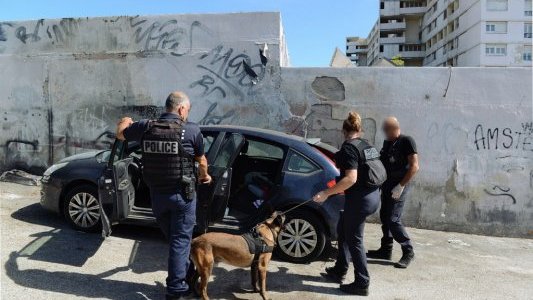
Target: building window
{"type": "Point", "coordinates": [496, 50]}
{"type": "Point", "coordinates": [496, 27]}
{"type": "Point", "coordinates": [526, 56]}
{"type": "Point", "coordinates": [382, 5]}
{"type": "Point", "coordinates": [497, 5]}
{"type": "Point", "coordinates": [528, 8]}
{"type": "Point", "coordinates": [527, 30]}
{"type": "Point", "coordinates": [380, 48]}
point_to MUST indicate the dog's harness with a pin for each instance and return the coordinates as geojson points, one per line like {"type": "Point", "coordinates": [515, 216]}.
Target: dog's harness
{"type": "Point", "coordinates": [256, 244]}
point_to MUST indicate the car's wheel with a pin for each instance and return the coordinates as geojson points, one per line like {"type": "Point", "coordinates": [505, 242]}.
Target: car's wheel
{"type": "Point", "coordinates": [303, 238]}
{"type": "Point", "coordinates": [81, 208]}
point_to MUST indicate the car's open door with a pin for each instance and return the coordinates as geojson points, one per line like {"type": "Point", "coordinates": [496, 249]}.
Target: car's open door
{"type": "Point", "coordinates": [213, 198]}
{"type": "Point", "coordinates": [115, 189]}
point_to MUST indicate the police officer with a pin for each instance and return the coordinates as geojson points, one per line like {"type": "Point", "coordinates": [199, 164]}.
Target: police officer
{"type": "Point", "coordinates": [361, 201]}
{"type": "Point", "coordinates": [399, 156]}
{"type": "Point", "coordinates": [170, 146]}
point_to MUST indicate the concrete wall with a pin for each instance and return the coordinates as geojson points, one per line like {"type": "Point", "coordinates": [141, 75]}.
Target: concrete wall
{"type": "Point", "coordinates": [65, 83]}
{"type": "Point", "coordinates": [473, 128]}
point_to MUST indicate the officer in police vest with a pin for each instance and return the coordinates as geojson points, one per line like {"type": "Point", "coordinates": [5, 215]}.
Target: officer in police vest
{"type": "Point", "coordinates": [170, 146]}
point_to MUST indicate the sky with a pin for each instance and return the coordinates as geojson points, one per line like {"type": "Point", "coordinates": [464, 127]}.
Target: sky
{"type": "Point", "coordinates": [313, 28]}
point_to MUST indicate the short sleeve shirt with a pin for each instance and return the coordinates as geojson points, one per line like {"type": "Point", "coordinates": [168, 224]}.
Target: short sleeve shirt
{"type": "Point", "coordinates": [192, 139]}
{"type": "Point", "coordinates": [347, 158]}
{"type": "Point", "coordinates": [394, 156]}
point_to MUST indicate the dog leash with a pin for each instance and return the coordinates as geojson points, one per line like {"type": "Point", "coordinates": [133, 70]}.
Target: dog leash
{"type": "Point", "coordinates": [295, 207]}
{"type": "Point", "coordinates": [286, 211]}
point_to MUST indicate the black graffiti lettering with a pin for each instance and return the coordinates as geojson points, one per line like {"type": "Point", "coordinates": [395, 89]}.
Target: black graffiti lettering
{"type": "Point", "coordinates": [495, 138]}
{"type": "Point", "coordinates": [3, 36]}
{"type": "Point", "coordinates": [228, 71]}
{"type": "Point", "coordinates": [497, 190]}
{"type": "Point", "coordinates": [507, 132]}
{"type": "Point", "coordinates": [527, 128]}
{"type": "Point", "coordinates": [212, 119]}
{"type": "Point", "coordinates": [527, 142]}
{"type": "Point", "coordinates": [480, 137]}
{"type": "Point", "coordinates": [23, 36]}
{"type": "Point", "coordinates": [168, 35]}
{"type": "Point", "coordinates": [492, 134]}
{"type": "Point", "coordinates": [519, 134]}
{"type": "Point", "coordinates": [206, 82]}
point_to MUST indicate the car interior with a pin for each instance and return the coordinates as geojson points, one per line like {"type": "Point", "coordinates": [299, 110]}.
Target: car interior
{"type": "Point", "coordinates": [256, 174]}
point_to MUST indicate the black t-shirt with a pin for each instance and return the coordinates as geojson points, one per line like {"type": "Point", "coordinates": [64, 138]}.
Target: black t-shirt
{"type": "Point", "coordinates": [347, 158]}
{"type": "Point", "coordinates": [394, 156]}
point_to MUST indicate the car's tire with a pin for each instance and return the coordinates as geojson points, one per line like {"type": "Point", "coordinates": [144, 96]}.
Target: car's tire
{"type": "Point", "coordinates": [81, 208]}
{"type": "Point", "coordinates": [303, 238]}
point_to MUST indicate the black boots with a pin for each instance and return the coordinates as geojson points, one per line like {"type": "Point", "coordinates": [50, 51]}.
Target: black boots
{"type": "Point", "coordinates": [355, 289]}
{"type": "Point", "coordinates": [407, 257]}
{"type": "Point", "coordinates": [381, 253]}
{"type": "Point", "coordinates": [334, 275]}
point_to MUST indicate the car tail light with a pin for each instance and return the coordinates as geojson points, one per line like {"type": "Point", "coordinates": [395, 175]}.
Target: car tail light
{"type": "Point", "coordinates": [331, 183]}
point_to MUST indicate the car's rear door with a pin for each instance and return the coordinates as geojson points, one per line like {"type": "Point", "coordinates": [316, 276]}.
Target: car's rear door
{"type": "Point", "coordinates": [213, 198]}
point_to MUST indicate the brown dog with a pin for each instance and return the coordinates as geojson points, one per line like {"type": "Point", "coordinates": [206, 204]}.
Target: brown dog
{"type": "Point", "coordinates": [213, 247]}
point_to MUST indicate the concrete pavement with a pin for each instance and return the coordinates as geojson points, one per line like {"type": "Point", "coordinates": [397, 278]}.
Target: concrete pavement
{"type": "Point", "coordinates": [42, 258]}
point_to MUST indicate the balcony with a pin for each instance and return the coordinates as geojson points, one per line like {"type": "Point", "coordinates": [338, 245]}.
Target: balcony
{"type": "Point", "coordinates": [392, 40]}
{"type": "Point", "coordinates": [413, 10]}
{"type": "Point", "coordinates": [392, 26]}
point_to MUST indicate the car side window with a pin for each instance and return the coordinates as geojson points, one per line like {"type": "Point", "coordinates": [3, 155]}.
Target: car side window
{"type": "Point", "coordinates": [209, 138]}
{"type": "Point", "coordinates": [262, 149]}
{"type": "Point", "coordinates": [228, 149]}
{"type": "Point", "coordinates": [300, 164]}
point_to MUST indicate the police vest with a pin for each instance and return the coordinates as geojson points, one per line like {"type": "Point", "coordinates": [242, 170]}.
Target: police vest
{"type": "Point", "coordinates": [165, 161]}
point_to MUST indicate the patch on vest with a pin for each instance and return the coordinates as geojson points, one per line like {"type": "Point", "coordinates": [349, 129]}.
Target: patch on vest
{"type": "Point", "coordinates": [161, 147]}
{"type": "Point", "coordinates": [371, 153]}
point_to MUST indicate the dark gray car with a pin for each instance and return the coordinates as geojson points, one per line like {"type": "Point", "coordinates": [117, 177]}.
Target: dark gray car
{"type": "Point", "coordinates": [255, 171]}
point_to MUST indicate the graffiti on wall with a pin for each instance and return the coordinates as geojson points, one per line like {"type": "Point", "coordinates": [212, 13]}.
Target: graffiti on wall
{"type": "Point", "coordinates": [55, 32]}
{"type": "Point", "coordinates": [166, 35]}
{"type": "Point", "coordinates": [227, 71]}
{"type": "Point", "coordinates": [503, 138]}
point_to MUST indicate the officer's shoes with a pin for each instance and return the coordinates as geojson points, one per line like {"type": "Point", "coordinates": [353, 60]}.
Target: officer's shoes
{"type": "Point", "coordinates": [380, 253]}
{"type": "Point", "coordinates": [355, 289]}
{"type": "Point", "coordinates": [406, 259]}
{"type": "Point", "coordinates": [333, 275]}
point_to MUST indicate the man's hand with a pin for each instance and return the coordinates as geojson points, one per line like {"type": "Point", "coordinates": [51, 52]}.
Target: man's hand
{"type": "Point", "coordinates": [320, 197]}
{"type": "Point", "coordinates": [121, 125]}
{"type": "Point", "coordinates": [397, 192]}
{"type": "Point", "coordinates": [206, 179]}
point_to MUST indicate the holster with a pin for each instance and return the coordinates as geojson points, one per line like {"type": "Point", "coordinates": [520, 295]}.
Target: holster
{"type": "Point", "coordinates": [188, 184]}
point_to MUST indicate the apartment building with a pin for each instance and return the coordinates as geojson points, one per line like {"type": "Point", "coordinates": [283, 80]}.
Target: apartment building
{"type": "Point", "coordinates": [448, 33]}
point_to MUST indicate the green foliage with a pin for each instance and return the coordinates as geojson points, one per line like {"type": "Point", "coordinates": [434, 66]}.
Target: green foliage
{"type": "Point", "coordinates": [397, 60]}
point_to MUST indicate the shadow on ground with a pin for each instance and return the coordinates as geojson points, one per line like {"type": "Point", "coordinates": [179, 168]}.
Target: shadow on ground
{"type": "Point", "coordinates": [62, 245]}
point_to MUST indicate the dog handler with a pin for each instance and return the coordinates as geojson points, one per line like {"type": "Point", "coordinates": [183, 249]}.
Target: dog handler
{"type": "Point", "coordinates": [361, 201]}
{"type": "Point", "coordinates": [170, 145]}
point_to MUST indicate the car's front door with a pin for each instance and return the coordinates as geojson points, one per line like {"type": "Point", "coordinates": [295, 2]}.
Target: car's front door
{"type": "Point", "coordinates": [213, 198]}
{"type": "Point", "coordinates": [115, 189]}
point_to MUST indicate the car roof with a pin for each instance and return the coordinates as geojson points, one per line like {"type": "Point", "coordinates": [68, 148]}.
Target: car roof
{"type": "Point", "coordinates": [257, 132]}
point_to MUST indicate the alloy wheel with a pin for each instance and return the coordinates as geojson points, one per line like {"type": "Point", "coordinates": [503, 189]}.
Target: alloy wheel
{"type": "Point", "coordinates": [298, 239]}
{"type": "Point", "coordinates": [84, 210]}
